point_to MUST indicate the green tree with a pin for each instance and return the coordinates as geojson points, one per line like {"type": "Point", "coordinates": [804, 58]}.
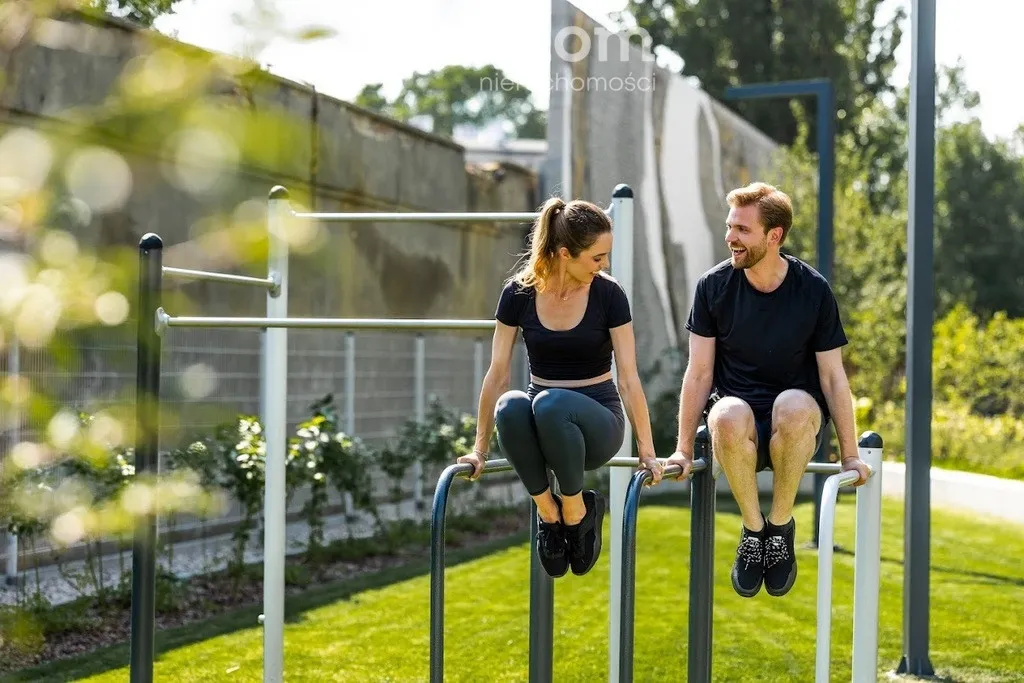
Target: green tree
{"type": "Point", "coordinates": [461, 95]}
{"type": "Point", "coordinates": [144, 12]}
{"type": "Point", "coordinates": [732, 42]}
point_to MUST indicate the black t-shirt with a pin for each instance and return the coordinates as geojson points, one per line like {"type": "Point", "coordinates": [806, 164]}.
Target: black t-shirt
{"type": "Point", "coordinates": [583, 352]}
{"type": "Point", "coordinates": [766, 341]}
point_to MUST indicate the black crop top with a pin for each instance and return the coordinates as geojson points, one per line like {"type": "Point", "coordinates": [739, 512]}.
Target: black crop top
{"type": "Point", "coordinates": [583, 352]}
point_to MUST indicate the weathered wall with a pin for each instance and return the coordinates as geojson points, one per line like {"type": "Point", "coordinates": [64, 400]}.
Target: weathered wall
{"type": "Point", "coordinates": [680, 151]}
{"type": "Point", "coordinates": [334, 157]}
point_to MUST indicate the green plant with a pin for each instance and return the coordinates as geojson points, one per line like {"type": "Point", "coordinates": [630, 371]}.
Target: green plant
{"type": "Point", "coordinates": [241, 447]}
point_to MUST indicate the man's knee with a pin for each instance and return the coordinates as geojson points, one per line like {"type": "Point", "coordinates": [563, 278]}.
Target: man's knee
{"type": "Point", "coordinates": [795, 414]}
{"type": "Point", "coordinates": [731, 420]}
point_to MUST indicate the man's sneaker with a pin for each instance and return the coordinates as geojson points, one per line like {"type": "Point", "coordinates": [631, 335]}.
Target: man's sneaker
{"type": "Point", "coordinates": [585, 538]}
{"type": "Point", "coordinates": [779, 558]}
{"type": "Point", "coordinates": [748, 569]}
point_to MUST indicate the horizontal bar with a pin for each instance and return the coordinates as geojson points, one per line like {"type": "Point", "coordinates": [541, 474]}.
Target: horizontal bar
{"type": "Point", "coordinates": [164, 320]}
{"type": "Point", "coordinates": [814, 86]}
{"type": "Point", "coordinates": [400, 217]}
{"type": "Point", "coordinates": [185, 274]}
{"type": "Point", "coordinates": [502, 465]}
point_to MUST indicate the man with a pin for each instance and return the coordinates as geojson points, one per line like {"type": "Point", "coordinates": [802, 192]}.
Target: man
{"type": "Point", "coordinates": [766, 337]}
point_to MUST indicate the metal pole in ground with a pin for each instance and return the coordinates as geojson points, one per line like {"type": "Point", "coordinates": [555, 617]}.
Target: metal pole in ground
{"type": "Point", "coordinates": [276, 409]}
{"type": "Point", "coordinates": [867, 563]}
{"type": "Point", "coordinates": [702, 563]}
{"type": "Point", "coordinates": [147, 442]}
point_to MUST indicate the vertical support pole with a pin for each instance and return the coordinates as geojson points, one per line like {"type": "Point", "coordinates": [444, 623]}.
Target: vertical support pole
{"type": "Point", "coordinates": [826, 102]}
{"type": "Point", "coordinates": [147, 443]}
{"type": "Point", "coordinates": [867, 564]}
{"type": "Point", "coordinates": [542, 611]}
{"type": "Point", "coordinates": [622, 270]}
{"type": "Point", "coordinates": [478, 366]}
{"type": "Point", "coordinates": [12, 577]}
{"type": "Point", "coordinates": [420, 399]}
{"type": "Point", "coordinates": [702, 563]}
{"type": "Point", "coordinates": [628, 609]}
{"type": "Point", "coordinates": [276, 371]}
{"type": "Point", "coordinates": [350, 399]}
{"type": "Point", "coordinates": [920, 311]}
{"type": "Point", "coordinates": [567, 164]}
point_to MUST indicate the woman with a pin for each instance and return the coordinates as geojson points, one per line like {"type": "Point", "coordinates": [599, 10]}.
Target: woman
{"type": "Point", "coordinates": [570, 419]}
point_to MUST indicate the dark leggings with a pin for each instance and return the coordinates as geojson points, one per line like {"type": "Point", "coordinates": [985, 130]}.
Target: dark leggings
{"type": "Point", "coordinates": [569, 431]}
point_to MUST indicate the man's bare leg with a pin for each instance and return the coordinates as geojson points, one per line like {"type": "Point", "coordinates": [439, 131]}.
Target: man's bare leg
{"type": "Point", "coordinates": [796, 419]}
{"type": "Point", "coordinates": [731, 423]}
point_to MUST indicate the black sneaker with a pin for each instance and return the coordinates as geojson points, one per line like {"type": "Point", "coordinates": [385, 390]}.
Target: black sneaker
{"type": "Point", "coordinates": [552, 548]}
{"type": "Point", "coordinates": [779, 558]}
{"type": "Point", "coordinates": [585, 538]}
{"type": "Point", "coordinates": [748, 569]}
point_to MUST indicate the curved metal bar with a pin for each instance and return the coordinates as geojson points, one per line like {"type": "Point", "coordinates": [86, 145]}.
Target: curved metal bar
{"type": "Point", "coordinates": [437, 517]}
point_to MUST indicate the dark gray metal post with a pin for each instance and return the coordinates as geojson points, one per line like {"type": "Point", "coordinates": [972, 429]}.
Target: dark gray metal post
{"type": "Point", "coordinates": [920, 303]}
{"type": "Point", "coordinates": [824, 94]}
{"type": "Point", "coordinates": [627, 593]}
{"type": "Point", "coordinates": [542, 611]}
{"type": "Point", "coordinates": [147, 425]}
{"type": "Point", "coordinates": [437, 518]}
{"type": "Point", "coordinates": [702, 563]}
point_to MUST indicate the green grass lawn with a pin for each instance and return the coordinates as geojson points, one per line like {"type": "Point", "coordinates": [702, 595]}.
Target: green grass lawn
{"type": "Point", "coordinates": [378, 631]}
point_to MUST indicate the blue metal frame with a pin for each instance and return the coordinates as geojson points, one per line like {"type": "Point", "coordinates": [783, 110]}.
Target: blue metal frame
{"type": "Point", "coordinates": [822, 90]}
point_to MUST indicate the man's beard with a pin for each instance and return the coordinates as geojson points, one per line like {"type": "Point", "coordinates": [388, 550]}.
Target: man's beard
{"type": "Point", "coordinates": [751, 256]}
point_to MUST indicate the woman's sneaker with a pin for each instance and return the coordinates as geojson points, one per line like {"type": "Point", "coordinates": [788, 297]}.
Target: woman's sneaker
{"type": "Point", "coordinates": [552, 548]}
{"type": "Point", "coordinates": [748, 569]}
{"type": "Point", "coordinates": [585, 538]}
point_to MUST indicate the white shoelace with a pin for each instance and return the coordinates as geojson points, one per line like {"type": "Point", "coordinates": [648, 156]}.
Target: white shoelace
{"type": "Point", "coordinates": [750, 550]}
{"type": "Point", "coordinates": [775, 551]}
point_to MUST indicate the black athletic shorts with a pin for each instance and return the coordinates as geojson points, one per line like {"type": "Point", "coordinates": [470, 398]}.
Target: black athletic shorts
{"type": "Point", "coordinates": [763, 428]}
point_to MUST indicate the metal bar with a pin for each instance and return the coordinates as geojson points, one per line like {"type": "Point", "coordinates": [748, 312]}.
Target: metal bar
{"type": "Point", "coordinates": [185, 274]}
{"type": "Point", "coordinates": [798, 88]}
{"type": "Point", "coordinates": [920, 310]}
{"type": "Point", "coordinates": [11, 575]}
{"type": "Point", "coordinates": [702, 563]}
{"type": "Point", "coordinates": [867, 564]}
{"type": "Point", "coordinates": [439, 217]}
{"type": "Point", "coordinates": [437, 519]}
{"type": "Point", "coordinates": [350, 402]}
{"type": "Point", "coordinates": [325, 323]}
{"type": "Point", "coordinates": [542, 611]}
{"type": "Point", "coordinates": [420, 410]}
{"type": "Point", "coordinates": [276, 410]}
{"type": "Point", "coordinates": [825, 553]}
{"type": "Point", "coordinates": [147, 443]}
{"type": "Point", "coordinates": [622, 269]}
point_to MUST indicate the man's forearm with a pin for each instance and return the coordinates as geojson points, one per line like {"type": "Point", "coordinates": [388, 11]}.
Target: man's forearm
{"type": "Point", "coordinates": [693, 396]}
{"type": "Point", "coordinates": [840, 405]}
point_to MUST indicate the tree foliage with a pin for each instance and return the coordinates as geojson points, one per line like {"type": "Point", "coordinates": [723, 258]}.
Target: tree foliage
{"type": "Point", "coordinates": [461, 96]}
{"type": "Point", "coordinates": [143, 12]}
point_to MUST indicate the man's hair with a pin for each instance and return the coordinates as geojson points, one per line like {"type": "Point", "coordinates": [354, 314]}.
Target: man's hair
{"type": "Point", "coordinates": [774, 205]}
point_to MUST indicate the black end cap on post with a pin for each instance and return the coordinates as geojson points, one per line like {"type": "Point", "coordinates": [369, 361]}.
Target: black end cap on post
{"type": "Point", "coordinates": [278, 192]}
{"type": "Point", "coordinates": [622, 191]}
{"type": "Point", "coordinates": [151, 241]}
{"type": "Point", "coordinates": [870, 440]}
{"type": "Point", "coordinates": [703, 437]}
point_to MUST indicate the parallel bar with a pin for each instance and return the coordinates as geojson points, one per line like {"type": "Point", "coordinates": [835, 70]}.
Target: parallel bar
{"type": "Point", "coordinates": [185, 274]}
{"type": "Point", "coordinates": [437, 520]}
{"type": "Point", "coordinates": [826, 534]}
{"type": "Point", "coordinates": [441, 217]}
{"type": "Point", "coordinates": [147, 444]}
{"type": "Point", "coordinates": [920, 319]}
{"type": "Point", "coordinates": [867, 564]}
{"type": "Point", "coordinates": [328, 323]}
{"type": "Point", "coordinates": [12, 577]}
{"type": "Point", "coordinates": [542, 611]}
{"type": "Point", "coordinates": [702, 564]}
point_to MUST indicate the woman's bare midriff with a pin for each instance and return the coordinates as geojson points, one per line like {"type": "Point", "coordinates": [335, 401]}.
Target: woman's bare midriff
{"type": "Point", "coordinates": [570, 383]}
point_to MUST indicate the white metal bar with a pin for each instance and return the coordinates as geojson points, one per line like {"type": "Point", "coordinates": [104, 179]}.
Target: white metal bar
{"type": "Point", "coordinates": [478, 366]}
{"type": "Point", "coordinates": [622, 270]}
{"type": "Point", "coordinates": [350, 399]}
{"type": "Point", "coordinates": [867, 571]}
{"type": "Point", "coordinates": [13, 370]}
{"type": "Point", "coordinates": [438, 217]}
{"type": "Point", "coordinates": [185, 274]}
{"type": "Point", "coordinates": [567, 135]}
{"type": "Point", "coordinates": [826, 544]}
{"type": "Point", "coordinates": [276, 391]}
{"type": "Point", "coordinates": [420, 408]}
{"type": "Point", "coordinates": [165, 320]}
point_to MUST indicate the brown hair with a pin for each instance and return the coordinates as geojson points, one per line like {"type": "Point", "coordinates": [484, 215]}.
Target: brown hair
{"type": "Point", "coordinates": [774, 205]}
{"type": "Point", "coordinates": [575, 225]}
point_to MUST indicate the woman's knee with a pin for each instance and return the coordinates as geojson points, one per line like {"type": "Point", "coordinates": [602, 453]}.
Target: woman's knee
{"type": "Point", "coordinates": [513, 408]}
{"type": "Point", "coordinates": [550, 405]}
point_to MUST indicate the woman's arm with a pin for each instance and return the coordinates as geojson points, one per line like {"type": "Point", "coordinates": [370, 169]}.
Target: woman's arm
{"type": "Point", "coordinates": [633, 398]}
{"type": "Point", "coordinates": [495, 383]}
